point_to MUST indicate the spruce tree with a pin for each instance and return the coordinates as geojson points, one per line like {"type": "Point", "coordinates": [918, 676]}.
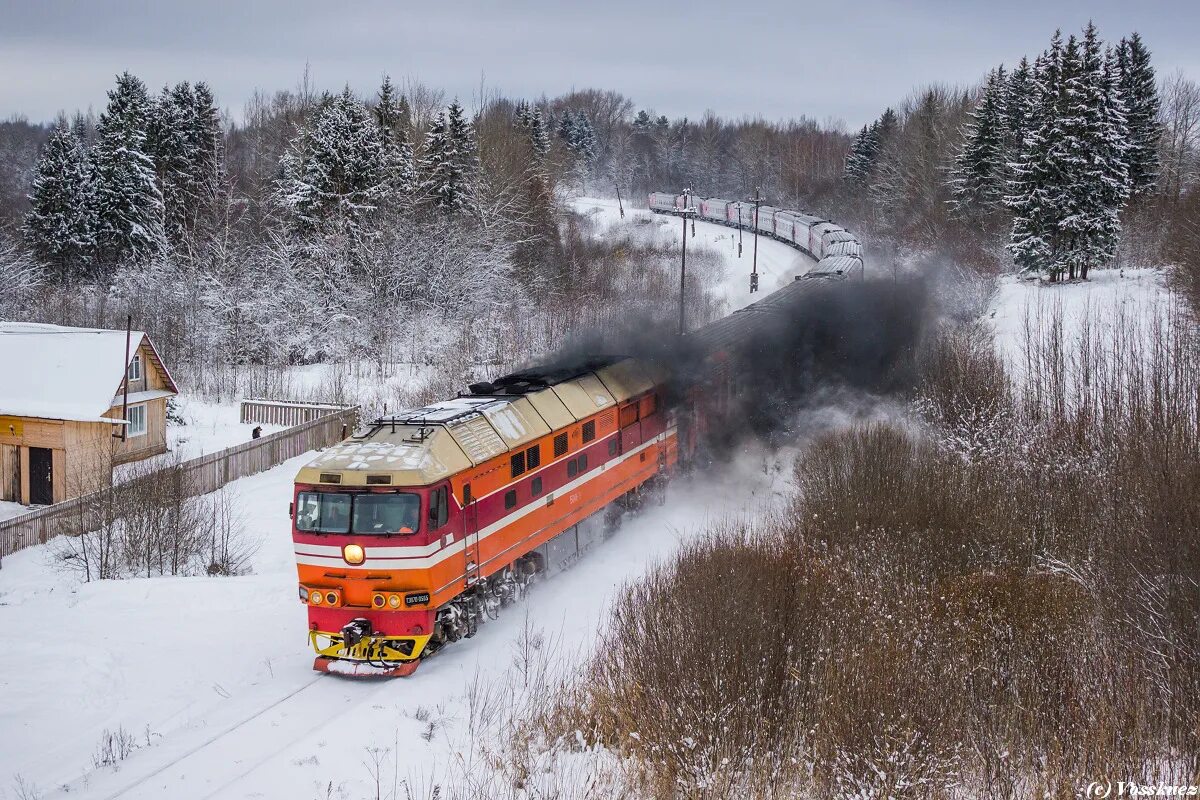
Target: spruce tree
{"type": "Point", "coordinates": [977, 182]}
{"type": "Point", "coordinates": [128, 205]}
{"type": "Point", "coordinates": [449, 166]}
{"type": "Point", "coordinates": [1033, 192]}
{"type": "Point", "coordinates": [59, 228]}
{"type": "Point", "coordinates": [206, 140]}
{"type": "Point", "coordinates": [169, 142]}
{"type": "Point", "coordinates": [333, 172]}
{"type": "Point", "coordinates": [392, 116]}
{"type": "Point", "coordinates": [539, 136]}
{"type": "Point", "coordinates": [1020, 113]}
{"type": "Point", "coordinates": [1138, 90]}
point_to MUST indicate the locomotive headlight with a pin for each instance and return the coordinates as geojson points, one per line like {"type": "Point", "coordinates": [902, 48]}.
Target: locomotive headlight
{"type": "Point", "coordinates": [331, 598]}
{"type": "Point", "coordinates": [394, 601]}
{"type": "Point", "coordinates": [315, 598]}
{"type": "Point", "coordinates": [378, 601]}
{"type": "Point", "coordinates": [353, 554]}
{"type": "Point", "coordinates": [303, 594]}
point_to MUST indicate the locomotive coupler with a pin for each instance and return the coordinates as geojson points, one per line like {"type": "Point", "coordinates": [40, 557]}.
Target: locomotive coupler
{"type": "Point", "coordinates": [355, 631]}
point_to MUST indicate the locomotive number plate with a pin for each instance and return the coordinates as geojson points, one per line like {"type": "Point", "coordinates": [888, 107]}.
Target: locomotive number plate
{"type": "Point", "coordinates": [418, 599]}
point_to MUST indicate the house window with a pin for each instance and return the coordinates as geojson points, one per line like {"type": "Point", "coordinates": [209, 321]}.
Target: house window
{"type": "Point", "coordinates": [589, 430]}
{"type": "Point", "coordinates": [560, 445]}
{"type": "Point", "coordinates": [533, 457]}
{"type": "Point", "coordinates": [510, 499]}
{"type": "Point", "coordinates": [135, 368]}
{"type": "Point", "coordinates": [136, 415]}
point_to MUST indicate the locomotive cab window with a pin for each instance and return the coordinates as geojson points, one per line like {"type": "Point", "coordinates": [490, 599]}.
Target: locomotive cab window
{"type": "Point", "coordinates": [340, 512]}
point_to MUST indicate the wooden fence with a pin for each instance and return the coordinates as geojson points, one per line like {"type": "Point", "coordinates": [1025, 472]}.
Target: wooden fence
{"type": "Point", "coordinates": [285, 412]}
{"type": "Point", "coordinates": [200, 475]}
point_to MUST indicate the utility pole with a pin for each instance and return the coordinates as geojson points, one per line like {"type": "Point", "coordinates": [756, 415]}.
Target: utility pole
{"type": "Point", "coordinates": [620, 205]}
{"type": "Point", "coordinates": [754, 270]}
{"type": "Point", "coordinates": [739, 227]}
{"type": "Point", "coordinates": [686, 212]}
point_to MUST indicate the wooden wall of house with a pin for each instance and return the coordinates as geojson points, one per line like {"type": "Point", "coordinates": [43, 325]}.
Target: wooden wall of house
{"type": "Point", "coordinates": [89, 462]}
{"type": "Point", "coordinates": [17, 435]}
{"type": "Point", "coordinates": [153, 442]}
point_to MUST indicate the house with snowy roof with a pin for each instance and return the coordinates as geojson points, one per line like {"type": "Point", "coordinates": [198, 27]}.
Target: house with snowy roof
{"type": "Point", "coordinates": [74, 402]}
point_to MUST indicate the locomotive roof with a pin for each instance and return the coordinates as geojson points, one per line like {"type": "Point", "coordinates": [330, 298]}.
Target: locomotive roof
{"type": "Point", "coordinates": [425, 445]}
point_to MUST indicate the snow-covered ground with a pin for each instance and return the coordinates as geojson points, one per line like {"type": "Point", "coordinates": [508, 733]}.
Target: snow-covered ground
{"type": "Point", "coordinates": [212, 676]}
{"type": "Point", "coordinates": [777, 262]}
{"type": "Point", "coordinates": [1110, 297]}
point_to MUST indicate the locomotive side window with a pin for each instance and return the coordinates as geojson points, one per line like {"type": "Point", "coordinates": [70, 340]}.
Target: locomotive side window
{"type": "Point", "coordinates": [536, 488]}
{"type": "Point", "coordinates": [439, 508]}
{"type": "Point", "coordinates": [560, 445]}
{"type": "Point", "coordinates": [572, 468]}
{"type": "Point", "coordinates": [612, 447]}
{"type": "Point", "coordinates": [510, 499]}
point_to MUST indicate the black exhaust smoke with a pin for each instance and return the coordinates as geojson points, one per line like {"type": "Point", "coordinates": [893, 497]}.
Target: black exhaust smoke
{"type": "Point", "coordinates": [755, 369]}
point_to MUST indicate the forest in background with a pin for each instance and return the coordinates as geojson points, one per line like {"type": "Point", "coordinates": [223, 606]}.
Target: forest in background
{"type": "Point", "coordinates": [329, 227]}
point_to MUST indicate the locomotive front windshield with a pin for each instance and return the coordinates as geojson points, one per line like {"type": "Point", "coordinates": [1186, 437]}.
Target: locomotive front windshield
{"type": "Point", "coordinates": [341, 512]}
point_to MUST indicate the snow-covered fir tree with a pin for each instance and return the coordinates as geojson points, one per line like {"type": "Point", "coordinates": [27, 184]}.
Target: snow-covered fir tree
{"type": "Point", "coordinates": [450, 162]}
{"type": "Point", "coordinates": [333, 173]}
{"type": "Point", "coordinates": [863, 156]}
{"type": "Point", "coordinates": [128, 206]}
{"type": "Point", "coordinates": [858, 157]}
{"type": "Point", "coordinates": [1093, 155]}
{"type": "Point", "coordinates": [979, 169]}
{"type": "Point", "coordinates": [1071, 181]}
{"type": "Point", "coordinates": [1033, 189]}
{"type": "Point", "coordinates": [1139, 92]}
{"type": "Point", "coordinates": [393, 117]}
{"type": "Point", "coordinates": [59, 227]}
{"type": "Point", "coordinates": [169, 142]}
{"type": "Point", "coordinates": [539, 134]}
{"type": "Point", "coordinates": [1020, 106]}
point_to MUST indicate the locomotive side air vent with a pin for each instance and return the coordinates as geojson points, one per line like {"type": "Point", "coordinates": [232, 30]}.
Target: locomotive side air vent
{"type": "Point", "coordinates": [331, 477]}
{"type": "Point", "coordinates": [379, 480]}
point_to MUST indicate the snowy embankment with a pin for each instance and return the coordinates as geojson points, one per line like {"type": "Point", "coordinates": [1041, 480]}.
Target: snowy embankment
{"type": "Point", "coordinates": [777, 262]}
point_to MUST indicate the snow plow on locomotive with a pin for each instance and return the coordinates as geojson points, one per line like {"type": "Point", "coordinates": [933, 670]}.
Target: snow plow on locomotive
{"type": "Point", "coordinates": [423, 524]}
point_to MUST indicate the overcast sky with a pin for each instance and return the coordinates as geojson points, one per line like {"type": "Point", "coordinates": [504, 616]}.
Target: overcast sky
{"type": "Point", "coordinates": [774, 58]}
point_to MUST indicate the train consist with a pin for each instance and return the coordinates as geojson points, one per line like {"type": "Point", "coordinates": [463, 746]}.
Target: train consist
{"type": "Point", "coordinates": [836, 250]}
{"type": "Point", "coordinates": [423, 524]}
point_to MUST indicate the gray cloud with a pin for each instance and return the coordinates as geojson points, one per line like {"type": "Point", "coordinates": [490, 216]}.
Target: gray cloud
{"type": "Point", "coordinates": [774, 58]}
